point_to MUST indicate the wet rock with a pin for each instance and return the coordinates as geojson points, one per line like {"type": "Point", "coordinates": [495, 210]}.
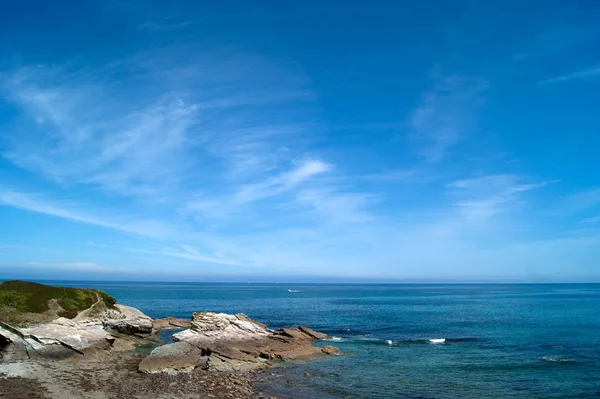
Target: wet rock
{"type": "Point", "coordinates": [330, 350]}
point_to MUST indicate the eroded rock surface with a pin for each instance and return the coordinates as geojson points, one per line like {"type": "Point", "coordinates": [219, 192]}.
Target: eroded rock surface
{"type": "Point", "coordinates": [313, 333]}
{"type": "Point", "coordinates": [238, 343]}
{"type": "Point", "coordinates": [208, 327]}
{"type": "Point", "coordinates": [130, 322]}
{"type": "Point", "coordinates": [177, 357]}
{"type": "Point", "coordinates": [91, 334]}
{"type": "Point", "coordinates": [171, 322]}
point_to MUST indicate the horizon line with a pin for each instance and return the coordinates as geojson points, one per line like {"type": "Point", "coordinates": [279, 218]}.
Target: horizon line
{"type": "Point", "coordinates": [303, 282]}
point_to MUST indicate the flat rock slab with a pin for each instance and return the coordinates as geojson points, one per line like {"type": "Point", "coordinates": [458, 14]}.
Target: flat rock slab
{"type": "Point", "coordinates": [314, 334]}
{"type": "Point", "coordinates": [172, 358]}
{"type": "Point", "coordinates": [171, 322]}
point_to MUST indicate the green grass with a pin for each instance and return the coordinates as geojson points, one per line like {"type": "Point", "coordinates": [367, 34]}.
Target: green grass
{"type": "Point", "coordinates": [29, 297]}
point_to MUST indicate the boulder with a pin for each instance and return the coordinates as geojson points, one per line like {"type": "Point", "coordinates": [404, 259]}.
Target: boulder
{"type": "Point", "coordinates": [331, 350]}
{"type": "Point", "coordinates": [130, 322]}
{"type": "Point", "coordinates": [172, 358]}
{"type": "Point", "coordinates": [290, 334]}
{"type": "Point", "coordinates": [208, 327]}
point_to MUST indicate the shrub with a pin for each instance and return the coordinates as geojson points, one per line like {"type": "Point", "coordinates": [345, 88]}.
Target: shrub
{"type": "Point", "coordinates": [33, 298]}
{"type": "Point", "coordinates": [14, 299]}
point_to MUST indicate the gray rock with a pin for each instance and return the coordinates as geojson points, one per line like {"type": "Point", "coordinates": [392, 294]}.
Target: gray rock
{"type": "Point", "coordinates": [15, 345]}
{"type": "Point", "coordinates": [89, 335]}
{"type": "Point", "coordinates": [172, 358]}
{"type": "Point", "coordinates": [130, 322]}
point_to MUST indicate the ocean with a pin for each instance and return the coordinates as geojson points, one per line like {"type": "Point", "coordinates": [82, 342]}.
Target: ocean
{"type": "Point", "coordinates": [412, 341]}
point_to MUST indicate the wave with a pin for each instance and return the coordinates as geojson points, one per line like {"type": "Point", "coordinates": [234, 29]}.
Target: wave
{"type": "Point", "coordinates": [335, 339]}
{"type": "Point", "coordinates": [557, 359]}
{"type": "Point", "coordinates": [433, 341]}
{"type": "Point", "coordinates": [437, 340]}
{"type": "Point", "coordinates": [369, 339]}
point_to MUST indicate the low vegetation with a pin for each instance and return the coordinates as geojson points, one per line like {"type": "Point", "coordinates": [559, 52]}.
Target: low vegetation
{"type": "Point", "coordinates": [27, 297]}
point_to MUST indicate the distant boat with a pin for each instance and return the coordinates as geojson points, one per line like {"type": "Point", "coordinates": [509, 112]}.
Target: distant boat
{"type": "Point", "coordinates": [294, 291]}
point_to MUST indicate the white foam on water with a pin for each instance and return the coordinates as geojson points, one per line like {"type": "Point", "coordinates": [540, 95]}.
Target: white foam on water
{"type": "Point", "coordinates": [437, 340]}
{"type": "Point", "coordinates": [389, 342]}
{"type": "Point", "coordinates": [557, 359]}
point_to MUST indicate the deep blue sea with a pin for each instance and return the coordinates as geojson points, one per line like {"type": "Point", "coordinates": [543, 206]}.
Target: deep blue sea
{"type": "Point", "coordinates": [501, 341]}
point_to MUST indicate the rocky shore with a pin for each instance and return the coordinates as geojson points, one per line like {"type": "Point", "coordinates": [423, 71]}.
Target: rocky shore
{"type": "Point", "coordinates": [114, 352]}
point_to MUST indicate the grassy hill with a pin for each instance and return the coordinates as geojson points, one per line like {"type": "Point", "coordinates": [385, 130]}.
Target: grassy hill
{"type": "Point", "coordinates": [26, 297]}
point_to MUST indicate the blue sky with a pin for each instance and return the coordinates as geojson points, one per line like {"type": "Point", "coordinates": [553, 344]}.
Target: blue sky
{"type": "Point", "coordinates": [264, 140]}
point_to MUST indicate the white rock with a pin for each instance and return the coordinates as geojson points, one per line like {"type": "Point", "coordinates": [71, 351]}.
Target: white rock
{"type": "Point", "coordinates": [208, 327]}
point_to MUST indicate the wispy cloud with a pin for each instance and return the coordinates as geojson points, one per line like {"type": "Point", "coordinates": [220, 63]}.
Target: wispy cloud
{"type": "Point", "coordinates": [198, 157]}
{"type": "Point", "coordinates": [592, 220]}
{"type": "Point", "coordinates": [483, 197]}
{"type": "Point", "coordinates": [339, 206]}
{"type": "Point", "coordinates": [230, 204]}
{"type": "Point", "coordinates": [153, 132]}
{"type": "Point", "coordinates": [581, 201]}
{"type": "Point", "coordinates": [81, 267]}
{"type": "Point", "coordinates": [446, 115]}
{"type": "Point", "coordinates": [65, 210]}
{"type": "Point", "coordinates": [585, 74]}
{"type": "Point", "coordinates": [190, 253]}
{"type": "Point", "coordinates": [283, 182]}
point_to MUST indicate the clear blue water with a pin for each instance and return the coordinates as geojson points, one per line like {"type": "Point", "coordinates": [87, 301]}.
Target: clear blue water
{"type": "Point", "coordinates": [502, 341]}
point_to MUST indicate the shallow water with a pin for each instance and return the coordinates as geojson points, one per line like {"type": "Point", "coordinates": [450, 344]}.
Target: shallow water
{"type": "Point", "coordinates": [501, 341]}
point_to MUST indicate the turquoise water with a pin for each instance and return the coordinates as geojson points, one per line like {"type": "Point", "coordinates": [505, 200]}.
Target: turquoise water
{"type": "Point", "coordinates": [502, 341]}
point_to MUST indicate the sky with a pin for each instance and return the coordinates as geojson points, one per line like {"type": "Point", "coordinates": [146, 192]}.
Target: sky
{"type": "Point", "coordinates": [300, 141]}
